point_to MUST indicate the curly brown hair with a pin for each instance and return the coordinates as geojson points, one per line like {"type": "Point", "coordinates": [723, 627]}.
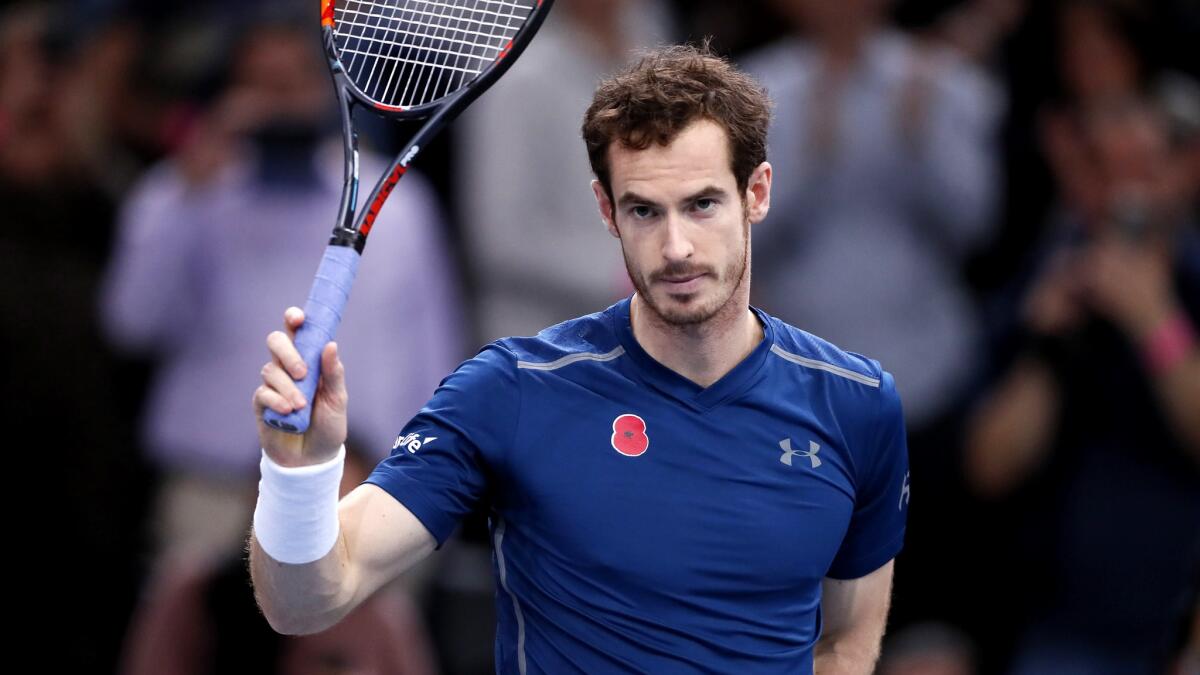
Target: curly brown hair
{"type": "Point", "coordinates": [664, 91]}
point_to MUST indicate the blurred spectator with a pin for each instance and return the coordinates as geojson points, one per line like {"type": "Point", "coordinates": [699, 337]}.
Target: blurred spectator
{"type": "Point", "coordinates": [928, 649]}
{"type": "Point", "coordinates": [976, 28]}
{"type": "Point", "coordinates": [734, 27]}
{"type": "Point", "coordinates": [204, 619]}
{"type": "Point", "coordinates": [1106, 56]}
{"type": "Point", "coordinates": [216, 242]}
{"type": "Point", "coordinates": [885, 180]}
{"type": "Point", "coordinates": [538, 250]}
{"type": "Point", "coordinates": [67, 390]}
{"type": "Point", "coordinates": [1090, 436]}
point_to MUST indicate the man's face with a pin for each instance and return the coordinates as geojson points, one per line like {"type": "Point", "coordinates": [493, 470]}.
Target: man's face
{"type": "Point", "coordinates": [683, 225]}
{"type": "Point", "coordinates": [279, 77]}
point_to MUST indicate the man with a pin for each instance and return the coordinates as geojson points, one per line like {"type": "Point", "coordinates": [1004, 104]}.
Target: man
{"type": "Point", "coordinates": [1091, 423]}
{"type": "Point", "coordinates": [679, 483]}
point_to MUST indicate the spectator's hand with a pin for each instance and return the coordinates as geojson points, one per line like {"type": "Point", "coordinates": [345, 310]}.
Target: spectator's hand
{"type": "Point", "coordinates": [1055, 305]}
{"type": "Point", "coordinates": [211, 142]}
{"type": "Point", "coordinates": [1128, 282]}
{"type": "Point", "coordinates": [327, 431]}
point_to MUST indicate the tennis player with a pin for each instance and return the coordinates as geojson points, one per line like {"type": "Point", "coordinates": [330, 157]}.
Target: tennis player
{"type": "Point", "coordinates": [679, 483]}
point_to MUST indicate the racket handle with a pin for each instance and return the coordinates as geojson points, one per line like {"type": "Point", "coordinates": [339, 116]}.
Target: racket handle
{"type": "Point", "coordinates": [322, 314]}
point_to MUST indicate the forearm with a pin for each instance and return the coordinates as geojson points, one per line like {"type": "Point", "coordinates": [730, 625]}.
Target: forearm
{"type": "Point", "coordinates": [1167, 339]}
{"type": "Point", "coordinates": [1179, 391]}
{"type": "Point", "coordinates": [855, 613]}
{"type": "Point", "coordinates": [1011, 431]}
{"type": "Point", "coordinates": [299, 559]}
{"type": "Point", "coordinates": [837, 657]}
{"type": "Point", "coordinates": [305, 598]}
{"type": "Point", "coordinates": [377, 540]}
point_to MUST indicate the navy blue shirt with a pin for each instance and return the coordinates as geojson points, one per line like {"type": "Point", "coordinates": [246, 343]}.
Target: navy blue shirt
{"type": "Point", "coordinates": [643, 523]}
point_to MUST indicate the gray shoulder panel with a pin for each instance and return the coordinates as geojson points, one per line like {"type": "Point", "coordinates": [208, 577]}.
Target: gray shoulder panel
{"type": "Point", "coordinates": [571, 358]}
{"type": "Point", "coordinates": [827, 367]}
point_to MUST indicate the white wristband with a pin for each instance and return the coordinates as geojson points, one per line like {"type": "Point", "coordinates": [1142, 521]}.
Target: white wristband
{"type": "Point", "coordinates": [295, 519]}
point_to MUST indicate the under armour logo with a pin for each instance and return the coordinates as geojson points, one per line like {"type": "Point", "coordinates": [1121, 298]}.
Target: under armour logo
{"type": "Point", "coordinates": [905, 493]}
{"type": "Point", "coordinates": [788, 452]}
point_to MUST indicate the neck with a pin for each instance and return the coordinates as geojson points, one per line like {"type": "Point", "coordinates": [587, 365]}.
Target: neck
{"type": "Point", "coordinates": [705, 352]}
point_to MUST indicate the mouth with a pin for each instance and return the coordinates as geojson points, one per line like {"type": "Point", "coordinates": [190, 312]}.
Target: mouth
{"type": "Point", "coordinates": [682, 284]}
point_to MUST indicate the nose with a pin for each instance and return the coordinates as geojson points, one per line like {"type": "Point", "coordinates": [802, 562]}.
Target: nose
{"type": "Point", "coordinates": [677, 246]}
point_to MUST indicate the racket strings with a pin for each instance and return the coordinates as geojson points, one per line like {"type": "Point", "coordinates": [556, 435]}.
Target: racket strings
{"type": "Point", "coordinates": [405, 53]}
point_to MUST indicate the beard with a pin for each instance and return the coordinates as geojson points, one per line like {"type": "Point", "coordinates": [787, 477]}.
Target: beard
{"type": "Point", "coordinates": [690, 311]}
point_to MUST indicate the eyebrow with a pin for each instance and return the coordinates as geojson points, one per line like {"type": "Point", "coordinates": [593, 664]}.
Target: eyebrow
{"type": "Point", "coordinates": [706, 192]}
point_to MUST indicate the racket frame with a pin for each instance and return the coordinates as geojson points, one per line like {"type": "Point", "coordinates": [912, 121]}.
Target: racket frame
{"type": "Point", "coordinates": [352, 227]}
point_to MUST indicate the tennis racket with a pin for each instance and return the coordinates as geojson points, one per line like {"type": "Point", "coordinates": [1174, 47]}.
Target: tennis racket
{"type": "Point", "coordinates": [405, 60]}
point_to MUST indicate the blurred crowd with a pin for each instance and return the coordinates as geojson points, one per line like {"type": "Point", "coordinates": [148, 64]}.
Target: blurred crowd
{"type": "Point", "coordinates": [998, 199]}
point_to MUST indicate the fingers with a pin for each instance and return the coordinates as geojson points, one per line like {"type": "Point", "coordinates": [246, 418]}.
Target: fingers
{"type": "Point", "coordinates": [284, 352]}
{"type": "Point", "coordinates": [265, 397]}
{"type": "Point", "coordinates": [279, 381]}
{"type": "Point", "coordinates": [292, 318]}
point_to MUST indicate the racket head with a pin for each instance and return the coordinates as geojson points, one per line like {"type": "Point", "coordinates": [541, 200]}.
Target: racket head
{"type": "Point", "coordinates": [408, 58]}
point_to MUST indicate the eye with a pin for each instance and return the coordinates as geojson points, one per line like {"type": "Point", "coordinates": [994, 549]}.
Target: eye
{"type": "Point", "coordinates": [641, 211]}
{"type": "Point", "coordinates": [706, 204]}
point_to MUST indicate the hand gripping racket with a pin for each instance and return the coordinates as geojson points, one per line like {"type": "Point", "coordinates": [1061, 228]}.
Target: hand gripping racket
{"type": "Point", "coordinates": [406, 60]}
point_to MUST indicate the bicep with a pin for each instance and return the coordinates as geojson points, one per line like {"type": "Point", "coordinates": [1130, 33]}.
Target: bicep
{"type": "Point", "coordinates": [857, 608]}
{"type": "Point", "coordinates": [382, 539]}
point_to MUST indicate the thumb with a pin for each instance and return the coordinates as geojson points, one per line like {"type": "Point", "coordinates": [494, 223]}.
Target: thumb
{"type": "Point", "coordinates": [334, 375]}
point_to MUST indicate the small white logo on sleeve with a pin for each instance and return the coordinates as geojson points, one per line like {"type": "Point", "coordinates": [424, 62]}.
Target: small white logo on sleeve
{"type": "Point", "coordinates": [412, 442]}
{"type": "Point", "coordinates": [788, 452]}
{"type": "Point", "coordinates": [905, 493]}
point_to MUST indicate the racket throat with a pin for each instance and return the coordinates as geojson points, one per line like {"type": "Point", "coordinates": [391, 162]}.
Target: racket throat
{"type": "Point", "coordinates": [344, 236]}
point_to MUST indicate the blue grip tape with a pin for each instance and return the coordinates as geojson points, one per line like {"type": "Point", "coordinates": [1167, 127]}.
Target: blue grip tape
{"type": "Point", "coordinates": [322, 314]}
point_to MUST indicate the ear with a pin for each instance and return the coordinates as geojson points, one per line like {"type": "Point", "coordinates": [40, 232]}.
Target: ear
{"type": "Point", "coordinates": [758, 192]}
{"type": "Point", "coordinates": [606, 208]}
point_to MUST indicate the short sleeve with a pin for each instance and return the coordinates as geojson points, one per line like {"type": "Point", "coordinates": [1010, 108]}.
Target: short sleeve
{"type": "Point", "coordinates": [440, 462]}
{"type": "Point", "coordinates": [876, 532]}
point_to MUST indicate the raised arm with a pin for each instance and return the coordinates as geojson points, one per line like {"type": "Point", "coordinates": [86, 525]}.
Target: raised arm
{"type": "Point", "coordinates": [377, 537]}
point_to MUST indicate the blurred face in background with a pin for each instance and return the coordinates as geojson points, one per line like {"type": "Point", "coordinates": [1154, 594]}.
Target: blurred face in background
{"type": "Point", "coordinates": [279, 98]}
{"type": "Point", "coordinates": [683, 225]}
{"type": "Point", "coordinates": [831, 17]}
{"type": "Point", "coordinates": [1095, 59]}
{"type": "Point", "coordinates": [32, 148]}
{"type": "Point", "coordinates": [279, 78]}
{"type": "Point", "coordinates": [1145, 184]}
{"type": "Point", "coordinates": [1132, 149]}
